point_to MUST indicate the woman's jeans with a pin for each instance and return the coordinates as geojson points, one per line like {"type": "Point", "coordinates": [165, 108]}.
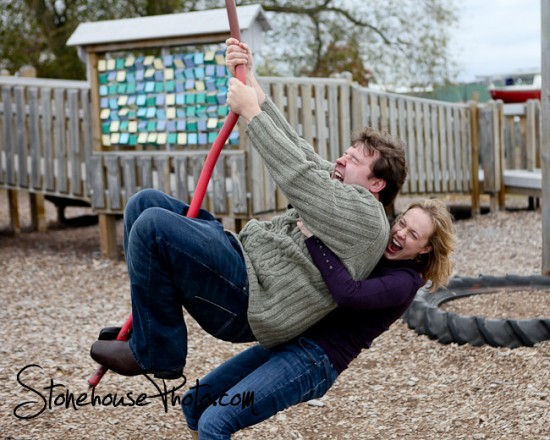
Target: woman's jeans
{"type": "Point", "coordinates": [256, 384]}
{"type": "Point", "coordinates": [176, 261]}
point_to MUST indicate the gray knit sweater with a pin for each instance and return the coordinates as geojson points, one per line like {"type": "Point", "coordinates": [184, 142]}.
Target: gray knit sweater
{"type": "Point", "coordinates": [287, 292]}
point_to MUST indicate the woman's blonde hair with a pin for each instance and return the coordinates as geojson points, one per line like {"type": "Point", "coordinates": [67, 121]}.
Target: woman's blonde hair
{"type": "Point", "coordinates": [436, 265]}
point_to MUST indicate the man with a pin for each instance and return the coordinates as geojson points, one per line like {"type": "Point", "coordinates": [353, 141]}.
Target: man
{"type": "Point", "coordinates": [262, 284]}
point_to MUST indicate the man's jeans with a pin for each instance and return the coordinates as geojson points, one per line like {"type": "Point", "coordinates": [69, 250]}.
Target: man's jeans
{"type": "Point", "coordinates": [176, 261]}
{"type": "Point", "coordinates": [254, 385]}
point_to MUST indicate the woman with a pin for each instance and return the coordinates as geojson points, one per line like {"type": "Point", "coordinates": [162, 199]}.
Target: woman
{"type": "Point", "coordinates": [257, 383]}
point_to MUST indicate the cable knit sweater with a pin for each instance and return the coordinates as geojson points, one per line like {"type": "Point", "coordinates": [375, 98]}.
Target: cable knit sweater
{"type": "Point", "coordinates": [287, 292]}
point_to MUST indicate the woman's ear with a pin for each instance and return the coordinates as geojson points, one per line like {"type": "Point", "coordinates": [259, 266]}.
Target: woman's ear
{"type": "Point", "coordinates": [426, 249]}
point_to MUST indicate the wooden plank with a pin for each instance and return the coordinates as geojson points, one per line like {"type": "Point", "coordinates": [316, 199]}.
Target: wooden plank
{"type": "Point", "coordinates": [145, 173]}
{"type": "Point", "coordinates": [393, 116]}
{"type": "Point", "coordinates": [333, 124]}
{"type": "Point", "coordinates": [365, 109]}
{"type": "Point", "coordinates": [107, 236]}
{"type": "Point", "coordinates": [182, 186]}
{"type": "Point", "coordinates": [321, 121]}
{"type": "Point", "coordinates": [114, 183]}
{"type": "Point", "coordinates": [474, 141]}
{"type": "Point", "coordinates": [21, 138]}
{"type": "Point", "coordinates": [374, 112]}
{"type": "Point", "coordinates": [531, 134]}
{"type": "Point", "coordinates": [278, 97]}
{"type": "Point", "coordinates": [293, 103]}
{"type": "Point", "coordinates": [384, 114]}
{"type": "Point", "coordinates": [356, 108]}
{"type": "Point", "coordinates": [2, 144]}
{"type": "Point", "coordinates": [443, 150]}
{"type": "Point", "coordinates": [94, 97]}
{"type": "Point", "coordinates": [465, 149]}
{"type": "Point", "coordinates": [529, 179]}
{"type": "Point", "coordinates": [411, 148]}
{"type": "Point", "coordinates": [86, 138]}
{"type": "Point", "coordinates": [428, 148]}
{"type": "Point", "coordinates": [95, 165]}
{"type": "Point", "coordinates": [13, 203]}
{"type": "Point", "coordinates": [219, 190]}
{"type": "Point", "coordinates": [34, 139]}
{"type": "Point", "coordinates": [128, 164]}
{"type": "Point", "coordinates": [436, 148]}
{"type": "Point", "coordinates": [457, 148]}
{"type": "Point", "coordinates": [238, 184]}
{"type": "Point", "coordinates": [345, 121]}
{"type": "Point", "coordinates": [59, 142]}
{"type": "Point", "coordinates": [306, 92]}
{"type": "Point", "coordinates": [402, 133]}
{"type": "Point", "coordinates": [49, 155]}
{"type": "Point", "coordinates": [451, 148]}
{"type": "Point", "coordinates": [498, 148]}
{"type": "Point", "coordinates": [420, 155]}
{"type": "Point", "coordinates": [545, 135]}
{"type": "Point", "coordinates": [486, 146]}
{"type": "Point", "coordinates": [162, 166]}
{"type": "Point", "coordinates": [38, 212]}
{"type": "Point", "coordinates": [73, 144]}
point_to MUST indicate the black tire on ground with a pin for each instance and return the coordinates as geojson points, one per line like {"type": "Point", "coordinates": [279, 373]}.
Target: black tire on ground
{"type": "Point", "coordinates": [427, 318]}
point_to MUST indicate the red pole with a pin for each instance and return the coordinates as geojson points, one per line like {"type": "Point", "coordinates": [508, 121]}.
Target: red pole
{"type": "Point", "coordinates": [206, 173]}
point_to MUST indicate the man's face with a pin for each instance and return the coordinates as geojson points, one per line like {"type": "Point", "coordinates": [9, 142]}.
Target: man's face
{"type": "Point", "coordinates": [355, 167]}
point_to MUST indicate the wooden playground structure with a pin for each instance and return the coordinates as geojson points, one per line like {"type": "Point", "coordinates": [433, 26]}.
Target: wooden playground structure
{"type": "Point", "coordinates": [47, 149]}
{"type": "Point", "coordinates": [52, 144]}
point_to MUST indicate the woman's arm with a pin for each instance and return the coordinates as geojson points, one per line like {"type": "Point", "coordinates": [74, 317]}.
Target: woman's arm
{"type": "Point", "coordinates": [388, 290]}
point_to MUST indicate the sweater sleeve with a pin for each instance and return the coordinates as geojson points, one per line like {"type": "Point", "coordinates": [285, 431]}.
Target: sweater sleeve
{"type": "Point", "coordinates": [389, 290]}
{"type": "Point", "coordinates": [278, 118]}
{"type": "Point", "coordinates": [348, 218]}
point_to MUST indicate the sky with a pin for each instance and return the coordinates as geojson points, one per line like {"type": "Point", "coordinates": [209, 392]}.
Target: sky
{"type": "Point", "coordinates": [497, 37]}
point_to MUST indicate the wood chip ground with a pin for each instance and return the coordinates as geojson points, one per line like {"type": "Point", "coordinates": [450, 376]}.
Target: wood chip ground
{"type": "Point", "coordinates": [56, 292]}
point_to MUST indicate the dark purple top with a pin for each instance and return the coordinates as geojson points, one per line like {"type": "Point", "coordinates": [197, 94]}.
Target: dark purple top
{"type": "Point", "coordinates": [366, 308]}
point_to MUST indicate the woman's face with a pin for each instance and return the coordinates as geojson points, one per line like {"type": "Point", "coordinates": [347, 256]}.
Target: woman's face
{"type": "Point", "coordinates": [409, 236]}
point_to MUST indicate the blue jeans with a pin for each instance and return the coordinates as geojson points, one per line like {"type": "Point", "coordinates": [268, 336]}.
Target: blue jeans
{"type": "Point", "coordinates": [256, 384]}
{"type": "Point", "coordinates": [176, 261]}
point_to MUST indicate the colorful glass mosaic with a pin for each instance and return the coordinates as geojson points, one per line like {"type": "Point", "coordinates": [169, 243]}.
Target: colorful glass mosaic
{"type": "Point", "coordinates": [163, 102]}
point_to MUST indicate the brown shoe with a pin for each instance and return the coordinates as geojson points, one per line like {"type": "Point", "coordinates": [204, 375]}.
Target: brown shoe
{"type": "Point", "coordinates": [116, 356]}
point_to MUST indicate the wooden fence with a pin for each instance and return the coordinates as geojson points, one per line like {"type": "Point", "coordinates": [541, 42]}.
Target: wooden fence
{"type": "Point", "coordinates": [46, 147]}
{"type": "Point", "coordinates": [437, 135]}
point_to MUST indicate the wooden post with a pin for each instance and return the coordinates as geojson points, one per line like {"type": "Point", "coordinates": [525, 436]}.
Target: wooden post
{"type": "Point", "coordinates": [474, 139]}
{"type": "Point", "coordinates": [36, 200]}
{"type": "Point", "coordinates": [107, 236]}
{"type": "Point", "coordinates": [13, 205]}
{"type": "Point", "coordinates": [15, 226]}
{"type": "Point", "coordinates": [501, 195]}
{"type": "Point", "coordinates": [545, 144]}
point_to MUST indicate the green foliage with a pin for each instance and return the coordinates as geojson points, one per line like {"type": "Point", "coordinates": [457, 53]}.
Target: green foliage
{"type": "Point", "coordinates": [343, 57]}
{"type": "Point", "coordinates": [402, 42]}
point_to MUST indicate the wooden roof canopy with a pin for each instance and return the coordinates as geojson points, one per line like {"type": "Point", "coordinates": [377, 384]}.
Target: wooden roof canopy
{"type": "Point", "coordinates": [209, 26]}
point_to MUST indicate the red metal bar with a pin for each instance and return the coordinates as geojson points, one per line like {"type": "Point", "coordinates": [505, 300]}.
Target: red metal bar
{"type": "Point", "coordinates": [206, 173]}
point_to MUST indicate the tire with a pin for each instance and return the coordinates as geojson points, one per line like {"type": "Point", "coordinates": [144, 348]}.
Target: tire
{"type": "Point", "coordinates": [427, 318]}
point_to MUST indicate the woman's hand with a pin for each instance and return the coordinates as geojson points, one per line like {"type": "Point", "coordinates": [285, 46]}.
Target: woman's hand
{"type": "Point", "coordinates": [303, 228]}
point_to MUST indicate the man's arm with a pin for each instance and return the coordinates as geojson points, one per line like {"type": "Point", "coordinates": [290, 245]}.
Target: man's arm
{"type": "Point", "coordinates": [239, 53]}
